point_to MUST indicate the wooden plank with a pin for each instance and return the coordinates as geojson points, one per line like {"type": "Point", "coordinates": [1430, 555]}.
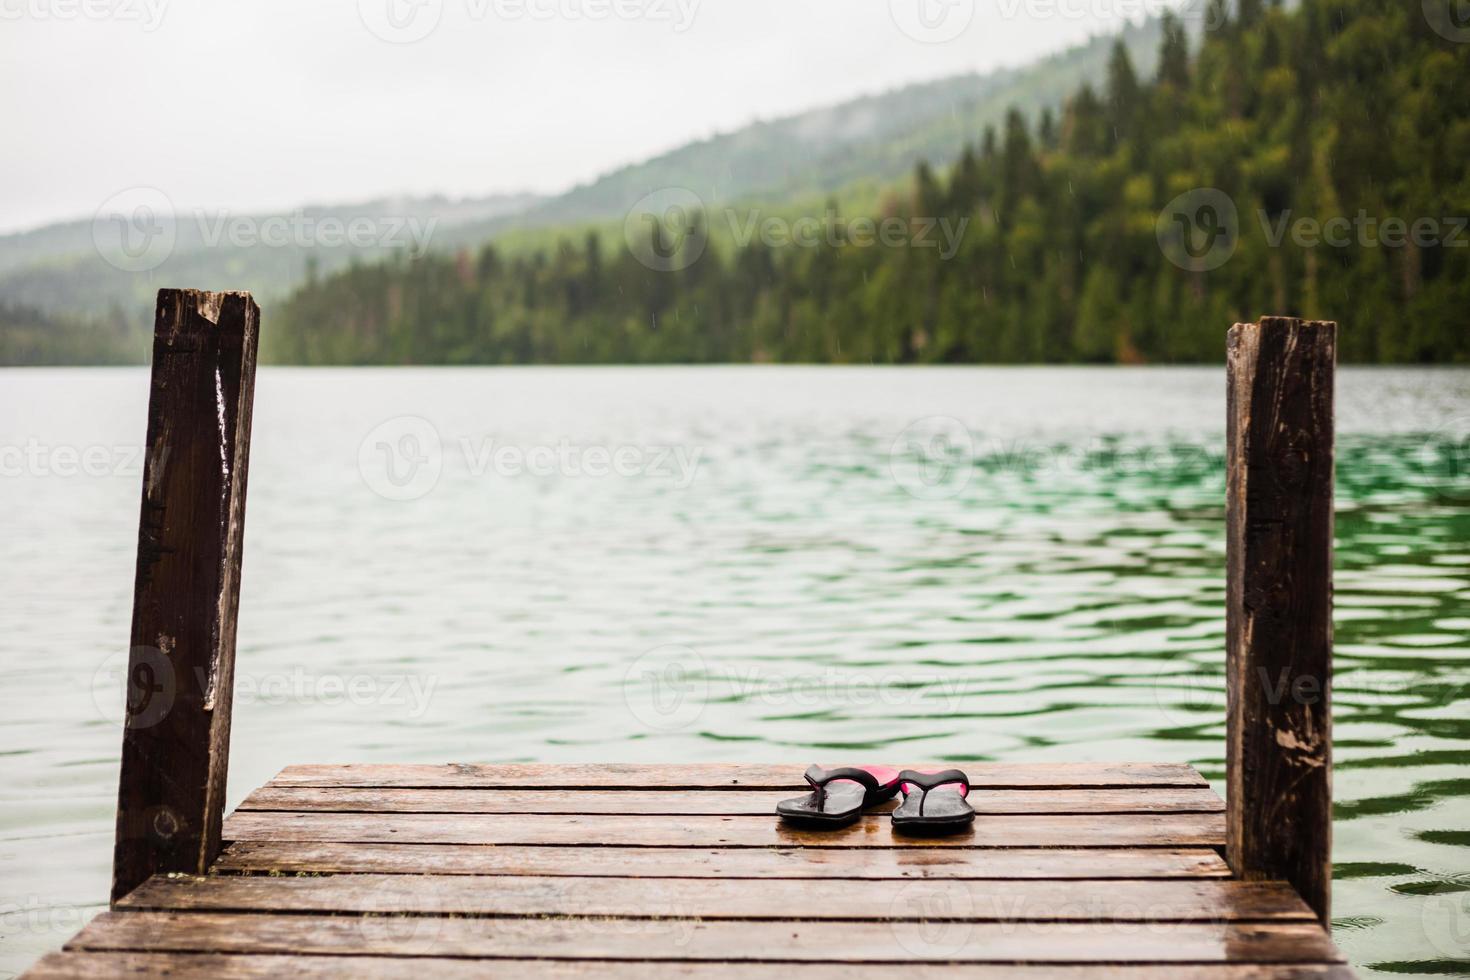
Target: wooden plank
{"type": "Point", "coordinates": [1104, 830]}
{"type": "Point", "coordinates": [798, 862]}
{"type": "Point", "coordinates": [1178, 900]}
{"type": "Point", "coordinates": [710, 802]}
{"type": "Point", "coordinates": [992, 775]}
{"type": "Point", "coordinates": [1279, 603]}
{"type": "Point", "coordinates": [194, 966]}
{"type": "Point", "coordinates": [691, 940]}
{"type": "Point", "coordinates": [181, 665]}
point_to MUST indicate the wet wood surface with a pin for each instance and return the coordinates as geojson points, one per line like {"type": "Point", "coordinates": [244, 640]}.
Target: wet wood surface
{"type": "Point", "coordinates": [225, 966]}
{"type": "Point", "coordinates": [181, 661]}
{"type": "Point", "coordinates": [704, 802]}
{"type": "Point", "coordinates": [313, 858]}
{"type": "Point", "coordinates": [1279, 516]}
{"type": "Point", "coordinates": [1070, 871]}
{"type": "Point", "coordinates": [874, 830]}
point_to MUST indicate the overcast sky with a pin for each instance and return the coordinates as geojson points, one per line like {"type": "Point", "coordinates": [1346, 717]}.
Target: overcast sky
{"type": "Point", "coordinates": [269, 104]}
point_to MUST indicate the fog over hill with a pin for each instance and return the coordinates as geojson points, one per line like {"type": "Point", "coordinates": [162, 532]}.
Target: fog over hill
{"type": "Point", "coordinates": [65, 276]}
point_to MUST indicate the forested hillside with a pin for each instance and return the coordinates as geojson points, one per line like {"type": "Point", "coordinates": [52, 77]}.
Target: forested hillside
{"type": "Point", "coordinates": [31, 337]}
{"type": "Point", "coordinates": [1341, 115]}
{"type": "Point", "coordinates": [854, 148]}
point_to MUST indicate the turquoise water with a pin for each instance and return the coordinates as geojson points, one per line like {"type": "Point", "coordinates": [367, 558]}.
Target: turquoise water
{"type": "Point", "coordinates": [743, 564]}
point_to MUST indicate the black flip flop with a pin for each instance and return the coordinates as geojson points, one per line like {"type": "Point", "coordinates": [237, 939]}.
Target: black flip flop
{"type": "Point", "coordinates": [839, 795]}
{"type": "Point", "coordinates": [929, 806]}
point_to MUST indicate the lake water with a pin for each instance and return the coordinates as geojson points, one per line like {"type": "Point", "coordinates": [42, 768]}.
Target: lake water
{"type": "Point", "coordinates": [743, 564]}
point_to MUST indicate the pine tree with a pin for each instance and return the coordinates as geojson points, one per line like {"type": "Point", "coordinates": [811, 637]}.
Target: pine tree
{"type": "Point", "coordinates": [1174, 53]}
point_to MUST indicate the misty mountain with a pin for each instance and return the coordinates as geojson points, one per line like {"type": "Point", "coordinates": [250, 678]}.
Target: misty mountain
{"type": "Point", "coordinates": [109, 269]}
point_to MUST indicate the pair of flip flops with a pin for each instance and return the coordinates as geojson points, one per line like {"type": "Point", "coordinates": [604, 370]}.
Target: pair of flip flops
{"type": "Point", "coordinates": [933, 802]}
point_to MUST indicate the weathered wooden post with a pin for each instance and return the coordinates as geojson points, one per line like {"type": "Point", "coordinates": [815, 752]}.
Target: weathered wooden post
{"type": "Point", "coordinates": [1279, 604]}
{"type": "Point", "coordinates": [181, 669]}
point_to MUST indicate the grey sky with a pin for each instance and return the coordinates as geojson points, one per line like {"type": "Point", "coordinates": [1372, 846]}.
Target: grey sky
{"type": "Point", "coordinates": [253, 104]}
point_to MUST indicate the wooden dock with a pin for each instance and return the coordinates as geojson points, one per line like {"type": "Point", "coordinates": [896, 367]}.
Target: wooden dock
{"type": "Point", "coordinates": [633, 871]}
{"type": "Point", "coordinates": [1069, 870]}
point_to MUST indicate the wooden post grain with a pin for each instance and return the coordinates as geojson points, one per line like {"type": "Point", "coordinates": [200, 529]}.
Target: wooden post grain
{"type": "Point", "coordinates": [1279, 604]}
{"type": "Point", "coordinates": [181, 668]}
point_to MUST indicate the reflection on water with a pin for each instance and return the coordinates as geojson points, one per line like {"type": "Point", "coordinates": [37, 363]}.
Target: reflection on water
{"type": "Point", "coordinates": [744, 564]}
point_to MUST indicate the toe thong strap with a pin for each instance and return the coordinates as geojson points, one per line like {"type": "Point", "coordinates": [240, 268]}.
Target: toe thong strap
{"type": "Point", "coordinates": [819, 778]}
{"type": "Point", "coordinates": [933, 780]}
